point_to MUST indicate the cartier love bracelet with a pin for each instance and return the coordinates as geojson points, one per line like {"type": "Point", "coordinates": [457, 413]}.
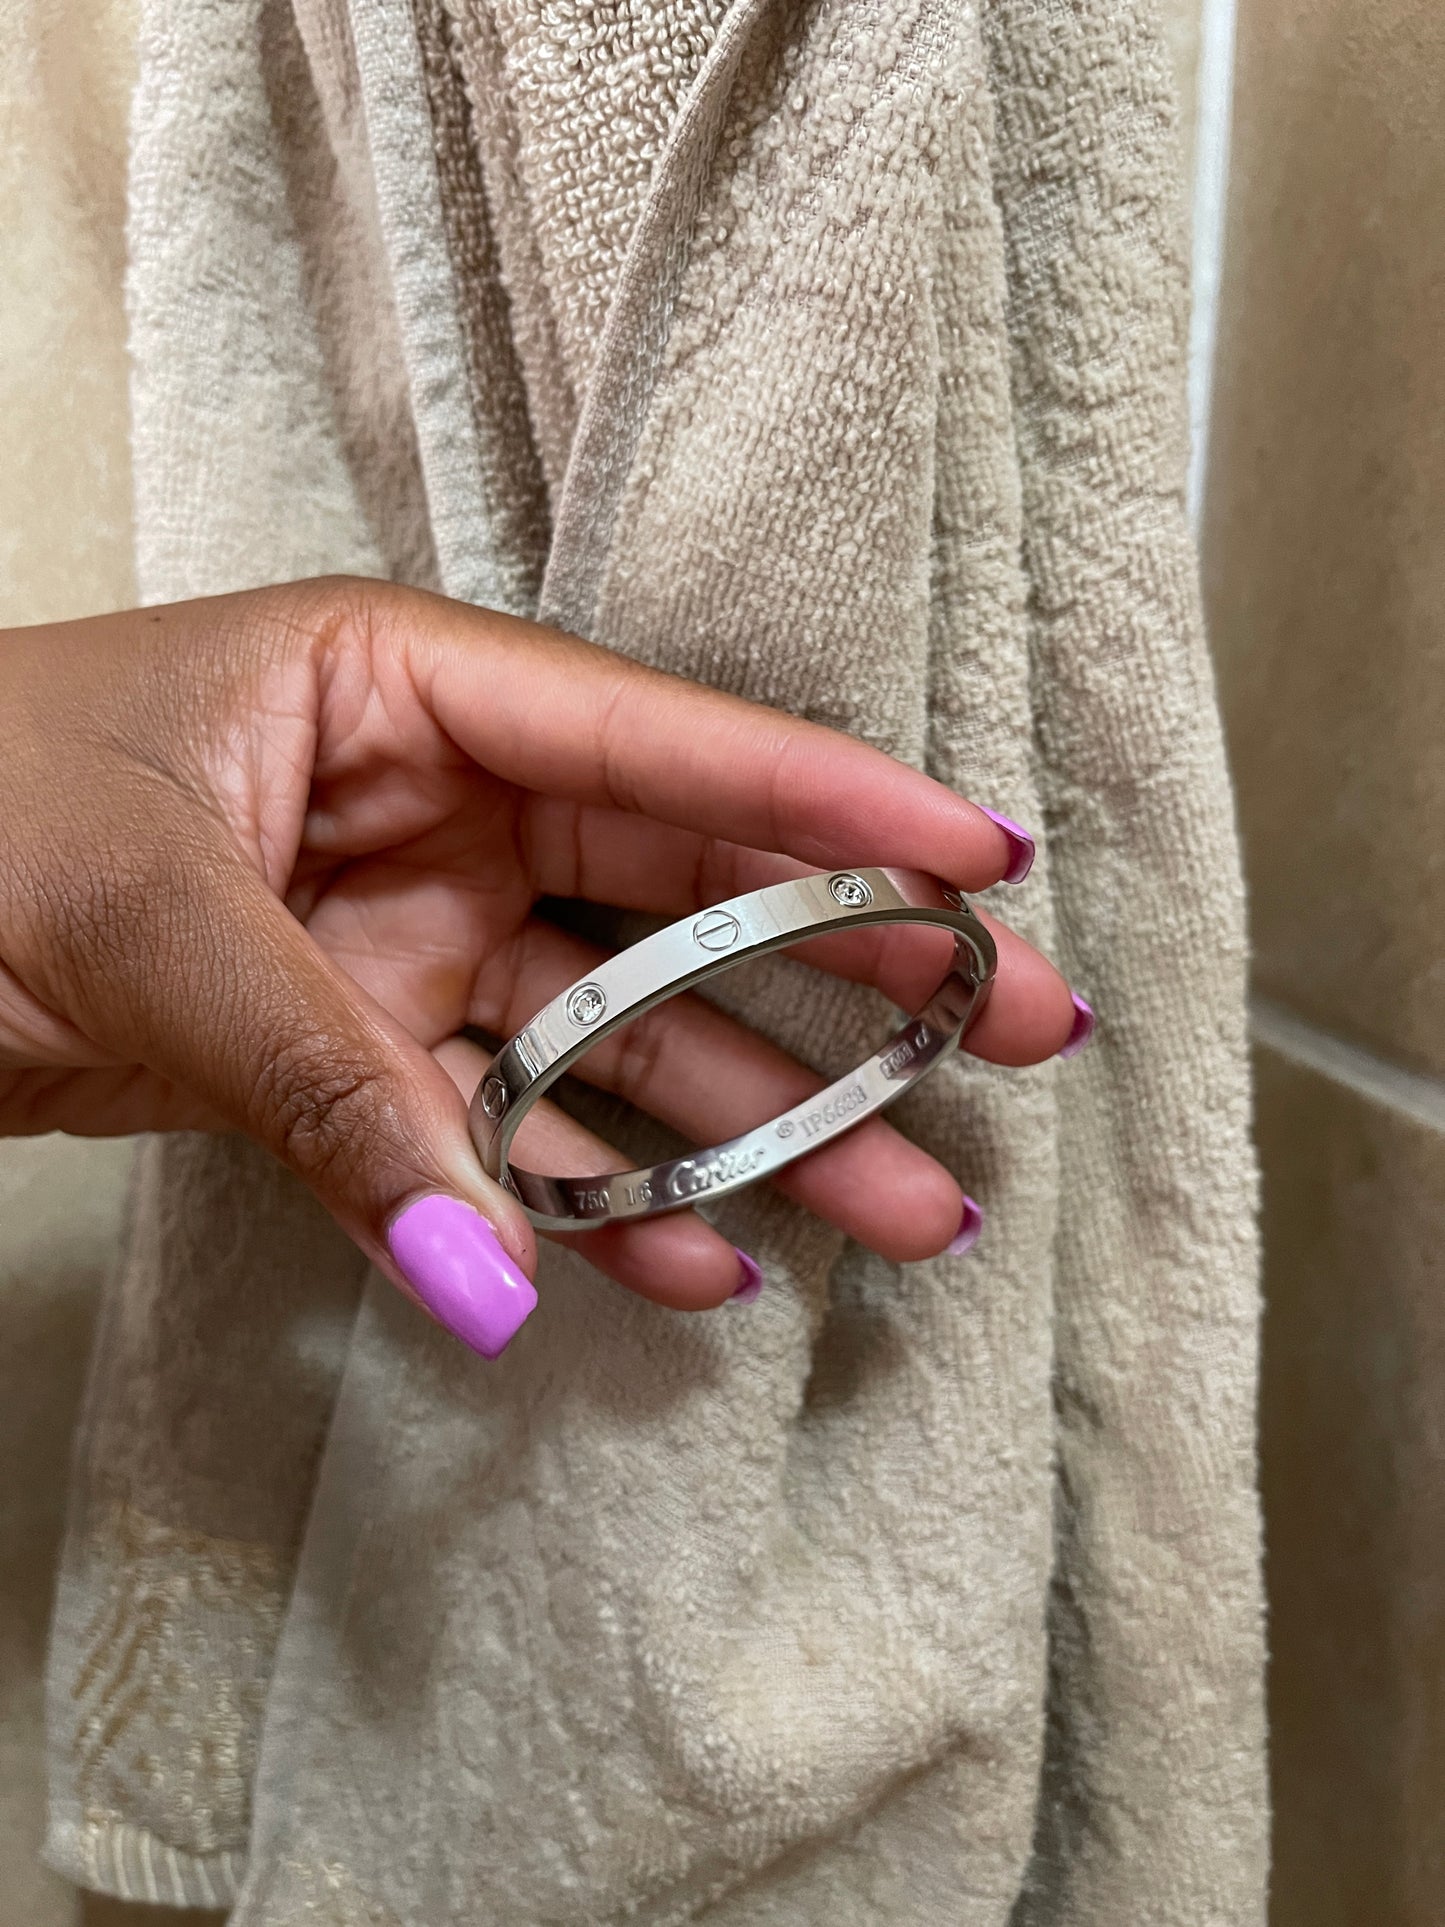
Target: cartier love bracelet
{"type": "Point", "coordinates": [683, 954]}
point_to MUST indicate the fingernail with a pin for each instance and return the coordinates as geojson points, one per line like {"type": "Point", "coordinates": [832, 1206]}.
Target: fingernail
{"type": "Point", "coordinates": [1083, 1030]}
{"type": "Point", "coordinates": [752, 1282]}
{"type": "Point", "coordinates": [456, 1264]}
{"type": "Point", "coordinates": [969, 1226]}
{"type": "Point", "coordinates": [1020, 843]}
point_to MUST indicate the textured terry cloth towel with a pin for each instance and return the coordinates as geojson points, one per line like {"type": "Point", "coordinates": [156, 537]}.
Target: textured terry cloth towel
{"type": "Point", "coordinates": [830, 353]}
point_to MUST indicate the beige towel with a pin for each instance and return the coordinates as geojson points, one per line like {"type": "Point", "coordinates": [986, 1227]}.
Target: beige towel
{"type": "Point", "coordinates": [832, 354]}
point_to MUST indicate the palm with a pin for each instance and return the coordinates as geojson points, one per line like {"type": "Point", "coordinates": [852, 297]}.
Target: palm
{"type": "Point", "coordinates": [423, 897]}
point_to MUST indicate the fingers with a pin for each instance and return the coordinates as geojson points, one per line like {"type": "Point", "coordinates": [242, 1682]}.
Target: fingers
{"type": "Point", "coordinates": [112, 1101]}
{"type": "Point", "coordinates": [677, 1260]}
{"type": "Point", "coordinates": [611, 856]}
{"type": "Point", "coordinates": [567, 719]}
{"type": "Point", "coordinates": [711, 1078]}
{"type": "Point", "coordinates": [606, 856]}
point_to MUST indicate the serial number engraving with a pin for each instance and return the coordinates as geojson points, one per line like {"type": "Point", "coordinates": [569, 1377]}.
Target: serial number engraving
{"type": "Point", "coordinates": [691, 1178]}
{"type": "Point", "coordinates": [908, 1049]}
{"type": "Point", "coordinates": [827, 1115]}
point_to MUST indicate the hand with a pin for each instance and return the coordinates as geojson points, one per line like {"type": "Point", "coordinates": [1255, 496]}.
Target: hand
{"type": "Point", "coordinates": [263, 857]}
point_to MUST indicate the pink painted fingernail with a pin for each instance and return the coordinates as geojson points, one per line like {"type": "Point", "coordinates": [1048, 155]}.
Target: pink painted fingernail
{"type": "Point", "coordinates": [969, 1226]}
{"type": "Point", "coordinates": [1020, 843]}
{"type": "Point", "coordinates": [1078, 1037]}
{"type": "Point", "coordinates": [455, 1263]}
{"type": "Point", "coordinates": [752, 1282]}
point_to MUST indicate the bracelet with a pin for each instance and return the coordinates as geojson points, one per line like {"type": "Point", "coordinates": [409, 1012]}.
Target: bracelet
{"type": "Point", "coordinates": [683, 954]}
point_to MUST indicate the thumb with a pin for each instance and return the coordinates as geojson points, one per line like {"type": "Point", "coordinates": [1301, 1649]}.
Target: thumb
{"type": "Point", "coordinates": [209, 980]}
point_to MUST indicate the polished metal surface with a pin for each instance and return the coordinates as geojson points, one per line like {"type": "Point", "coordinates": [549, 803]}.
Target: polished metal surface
{"type": "Point", "coordinates": [684, 954]}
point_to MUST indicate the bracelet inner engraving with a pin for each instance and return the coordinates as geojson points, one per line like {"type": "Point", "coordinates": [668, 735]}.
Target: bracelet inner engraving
{"type": "Point", "coordinates": [695, 1175]}
{"type": "Point", "coordinates": [844, 1105]}
{"type": "Point", "coordinates": [895, 1061]}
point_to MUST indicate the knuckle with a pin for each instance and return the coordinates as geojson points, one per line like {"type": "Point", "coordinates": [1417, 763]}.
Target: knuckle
{"type": "Point", "coordinates": [276, 627]}
{"type": "Point", "coordinates": [323, 1110]}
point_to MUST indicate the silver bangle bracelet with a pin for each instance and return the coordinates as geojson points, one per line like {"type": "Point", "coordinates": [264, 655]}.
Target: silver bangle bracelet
{"type": "Point", "coordinates": [683, 954]}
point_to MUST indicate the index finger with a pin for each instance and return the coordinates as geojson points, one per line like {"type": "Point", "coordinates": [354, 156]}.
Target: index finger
{"type": "Point", "coordinates": [568, 718]}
